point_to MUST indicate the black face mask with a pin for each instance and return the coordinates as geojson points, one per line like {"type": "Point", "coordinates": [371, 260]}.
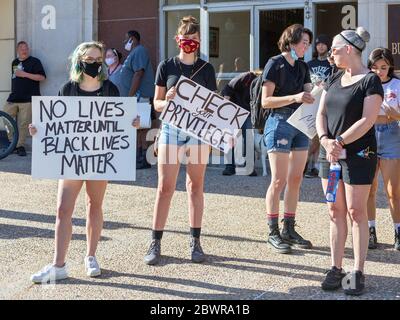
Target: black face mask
{"type": "Point", "coordinates": [91, 69]}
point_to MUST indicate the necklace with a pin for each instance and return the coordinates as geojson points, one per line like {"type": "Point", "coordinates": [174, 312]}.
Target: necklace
{"type": "Point", "coordinates": [180, 67]}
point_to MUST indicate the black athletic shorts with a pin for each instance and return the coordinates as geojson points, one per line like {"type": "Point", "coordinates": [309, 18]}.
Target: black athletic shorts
{"type": "Point", "coordinates": [356, 169]}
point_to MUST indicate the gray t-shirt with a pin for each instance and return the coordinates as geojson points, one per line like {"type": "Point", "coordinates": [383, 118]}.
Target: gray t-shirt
{"type": "Point", "coordinates": [137, 60]}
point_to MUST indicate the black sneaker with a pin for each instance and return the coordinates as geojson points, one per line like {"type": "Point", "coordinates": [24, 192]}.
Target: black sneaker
{"type": "Point", "coordinates": [333, 280]}
{"type": "Point", "coordinates": [229, 171]}
{"type": "Point", "coordinates": [196, 251]}
{"type": "Point", "coordinates": [356, 283]}
{"type": "Point", "coordinates": [397, 239]}
{"type": "Point", "coordinates": [21, 151]}
{"type": "Point", "coordinates": [373, 240]}
{"type": "Point", "coordinates": [290, 236]}
{"type": "Point", "coordinates": [253, 174]}
{"type": "Point", "coordinates": [275, 240]}
{"type": "Point", "coordinates": [154, 253]}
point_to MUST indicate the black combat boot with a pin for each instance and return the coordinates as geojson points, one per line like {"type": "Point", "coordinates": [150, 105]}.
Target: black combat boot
{"type": "Point", "coordinates": [275, 240]}
{"type": "Point", "coordinates": [290, 236]}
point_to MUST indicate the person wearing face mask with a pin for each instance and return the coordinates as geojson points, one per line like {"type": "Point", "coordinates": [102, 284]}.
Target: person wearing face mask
{"type": "Point", "coordinates": [136, 79]}
{"type": "Point", "coordinates": [286, 85]}
{"type": "Point", "coordinates": [320, 69]}
{"type": "Point", "coordinates": [27, 73]}
{"type": "Point", "coordinates": [88, 78]}
{"type": "Point", "coordinates": [173, 143]}
{"type": "Point", "coordinates": [113, 62]}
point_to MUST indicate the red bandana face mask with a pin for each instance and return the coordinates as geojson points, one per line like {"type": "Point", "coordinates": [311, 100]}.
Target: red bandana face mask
{"type": "Point", "coordinates": [188, 45]}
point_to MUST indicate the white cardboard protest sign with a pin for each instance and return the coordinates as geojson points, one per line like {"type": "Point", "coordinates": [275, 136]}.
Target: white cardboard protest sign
{"type": "Point", "coordinates": [84, 138]}
{"type": "Point", "coordinates": [304, 117]}
{"type": "Point", "coordinates": [204, 114]}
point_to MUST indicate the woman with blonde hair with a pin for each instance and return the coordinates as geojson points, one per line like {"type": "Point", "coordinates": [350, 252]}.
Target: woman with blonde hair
{"type": "Point", "coordinates": [345, 124]}
{"type": "Point", "coordinates": [88, 77]}
{"type": "Point", "coordinates": [173, 143]}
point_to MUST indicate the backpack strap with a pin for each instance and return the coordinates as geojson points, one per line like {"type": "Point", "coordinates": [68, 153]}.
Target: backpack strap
{"type": "Point", "coordinates": [198, 70]}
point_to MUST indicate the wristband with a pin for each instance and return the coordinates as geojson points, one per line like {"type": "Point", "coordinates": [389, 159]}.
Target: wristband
{"type": "Point", "coordinates": [323, 135]}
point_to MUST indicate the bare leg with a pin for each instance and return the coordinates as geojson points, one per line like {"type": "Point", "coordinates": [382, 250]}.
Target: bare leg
{"type": "Point", "coordinates": [371, 204]}
{"type": "Point", "coordinates": [195, 183]}
{"type": "Point", "coordinates": [390, 172]}
{"type": "Point", "coordinates": [279, 163]}
{"type": "Point", "coordinates": [338, 224]}
{"type": "Point", "coordinates": [168, 169]}
{"type": "Point", "coordinates": [68, 191]}
{"type": "Point", "coordinates": [297, 161]}
{"type": "Point", "coordinates": [95, 191]}
{"type": "Point", "coordinates": [356, 198]}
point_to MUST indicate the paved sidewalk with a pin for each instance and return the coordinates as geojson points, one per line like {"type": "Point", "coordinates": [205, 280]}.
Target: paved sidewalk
{"type": "Point", "coordinates": [239, 265]}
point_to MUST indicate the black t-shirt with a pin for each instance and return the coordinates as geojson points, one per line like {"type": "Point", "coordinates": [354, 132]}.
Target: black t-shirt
{"type": "Point", "coordinates": [239, 89]}
{"type": "Point", "coordinates": [320, 69]}
{"type": "Point", "coordinates": [288, 79]}
{"type": "Point", "coordinates": [345, 105]}
{"type": "Point", "coordinates": [72, 89]}
{"type": "Point", "coordinates": [170, 70]}
{"type": "Point", "coordinates": [22, 89]}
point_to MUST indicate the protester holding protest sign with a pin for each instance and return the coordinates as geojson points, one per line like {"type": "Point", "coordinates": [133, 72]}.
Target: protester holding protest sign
{"type": "Point", "coordinates": [87, 78]}
{"type": "Point", "coordinates": [345, 124]}
{"type": "Point", "coordinates": [173, 143]}
{"type": "Point", "coordinates": [286, 85]}
{"type": "Point", "coordinates": [387, 132]}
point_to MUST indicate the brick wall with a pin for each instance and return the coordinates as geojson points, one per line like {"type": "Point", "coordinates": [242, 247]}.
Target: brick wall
{"type": "Point", "coordinates": [116, 17]}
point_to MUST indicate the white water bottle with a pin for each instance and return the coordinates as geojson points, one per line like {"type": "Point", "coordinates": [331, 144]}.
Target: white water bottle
{"type": "Point", "coordinates": [333, 181]}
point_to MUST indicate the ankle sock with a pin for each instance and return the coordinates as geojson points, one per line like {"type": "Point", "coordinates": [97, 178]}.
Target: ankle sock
{"type": "Point", "coordinates": [157, 234]}
{"type": "Point", "coordinates": [195, 232]}
{"type": "Point", "coordinates": [272, 218]}
{"type": "Point", "coordinates": [371, 223]}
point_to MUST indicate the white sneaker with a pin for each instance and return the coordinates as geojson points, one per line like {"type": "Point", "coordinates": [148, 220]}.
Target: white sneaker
{"type": "Point", "coordinates": [50, 273]}
{"type": "Point", "coordinates": [92, 267]}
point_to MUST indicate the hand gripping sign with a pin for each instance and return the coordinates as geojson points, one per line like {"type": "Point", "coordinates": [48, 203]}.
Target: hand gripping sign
{"type": "Point", "coordinates": [304, 117]}
{"type": "Point", "coordinates": [204, 115]}
{"type": "Point", "coordinates": [84, 138]}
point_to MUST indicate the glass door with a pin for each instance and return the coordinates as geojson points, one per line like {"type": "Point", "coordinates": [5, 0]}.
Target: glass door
{"type": "Point", "coordinates": [229, 42]}
{"type": "Point", "coordinates": [270, 23]}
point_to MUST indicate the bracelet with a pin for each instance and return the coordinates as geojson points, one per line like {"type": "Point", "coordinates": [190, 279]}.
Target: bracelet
{"type": "Point", "coordinates": [323, 135]}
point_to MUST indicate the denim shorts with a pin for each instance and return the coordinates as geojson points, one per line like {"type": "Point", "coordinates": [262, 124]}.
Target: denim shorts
{"type": "Point", "coordinates": [280, 136]}
{"type": "Point", "coordinates": [388, 139]}
{"type": "Point", "coordinates": [174, 136]}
